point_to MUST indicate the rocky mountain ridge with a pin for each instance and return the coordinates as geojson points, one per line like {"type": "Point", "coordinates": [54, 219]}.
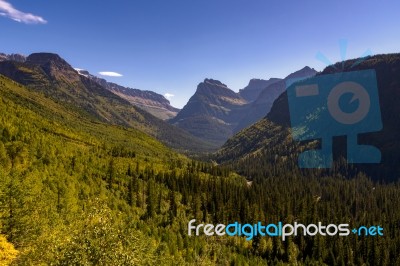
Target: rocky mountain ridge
{"type": "Point", "coordinates": [55, 78]}
{"type": "Point", "coordinates": [255, 87]}
{"type": "Point", "coordinates": [269, 140]}
{"type": "Point", "coordinates": [12, 57]}
{"type": "Point", "coordinates": [215, 112]}
{"type": "Point", "coordinates": [212, 112]}
{"type": "Point", "coordinates": [262, 105]}
{"type": "Point", "coordinates": [150, 101]}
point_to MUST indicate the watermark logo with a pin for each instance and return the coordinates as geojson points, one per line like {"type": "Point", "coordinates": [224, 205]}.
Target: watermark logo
{"type": "Point", "coordinates": [340, 104]}
{"type": "Point", "coordinates": [280, 230]}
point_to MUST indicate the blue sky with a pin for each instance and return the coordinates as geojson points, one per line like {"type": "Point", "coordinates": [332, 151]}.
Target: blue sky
{"type": "Point", "coordinates": [171, 46]}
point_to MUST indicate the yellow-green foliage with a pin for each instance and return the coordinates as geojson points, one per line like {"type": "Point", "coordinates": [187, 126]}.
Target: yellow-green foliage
{"type": "Point", "coordinates": [7, 251]}
{"type": "Point", "coordinates": [75, 191]}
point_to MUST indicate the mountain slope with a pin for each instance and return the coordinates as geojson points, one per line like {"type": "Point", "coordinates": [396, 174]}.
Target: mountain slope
{"type": "Point", "coordinates": [270, 138]}
{"type": "Point", "coordinates": [152, 102]}
{"type": "Point", "coordinates": [215, 112]}
{"type": "Point", "coordinates": [212, 112]}
{"type": "Point", "coordinates": [251, 92]}
{"type": "Point", "coordinates": [262, 105]}
{"type": "Point", "coordinates": [54, 119]}
{"type": "Point", "coordinates": [55, 78]}
{"type": "Point", "coordinates": [91, 193]}
{"type": "Point", "coordinates": [12, 57]}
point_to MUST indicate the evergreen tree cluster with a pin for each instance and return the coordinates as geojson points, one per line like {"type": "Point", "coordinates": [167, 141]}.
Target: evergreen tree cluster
{"type": "Point", "coordinates": [80, 192]}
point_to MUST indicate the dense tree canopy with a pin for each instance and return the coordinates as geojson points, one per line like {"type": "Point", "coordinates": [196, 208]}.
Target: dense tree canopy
{"type": "Point", "coordinates": [79, 192]}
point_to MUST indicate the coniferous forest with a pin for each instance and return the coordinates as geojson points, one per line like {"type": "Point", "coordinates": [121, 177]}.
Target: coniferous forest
{"type": "Point", "coordinates": [78, 191]}
{"type": "Point", "coordinates": [199, 133]}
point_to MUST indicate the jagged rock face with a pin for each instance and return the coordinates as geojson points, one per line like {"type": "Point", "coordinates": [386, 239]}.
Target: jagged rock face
{"type": "Point", "coordinates": [255, 87]}
{"type": "Point", "coordinates": [46, 58]}
{"type": "Point", "coordinates": [262, 105]}
{"type": "Point", "coordinates": [212, 112]}
{"type": "Point", "coordinates": [12, 57]}
{"type": "Point", "coordinates": [150, 101]}
{"type": "Point", "coordinates": [51, 75]}
{"type": "Point", "coordinates": [215, 112]}
{"type": "Point", "coordinates": [273, 129]}
{"type": "Point", "coordinates": [212, 98]}
{"type": "Point", "coordinates": [54, 66]}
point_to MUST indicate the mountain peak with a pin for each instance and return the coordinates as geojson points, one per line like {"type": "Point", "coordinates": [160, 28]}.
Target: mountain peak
{"type": "Point", "coordinates": [305, 71]}
{"type": "Point", "coordinates": [12, 57]}
{"type": "Point", "coordinates": [212, 112]}
{"type": "Point", "coordinates": [54, 66]}
{"type": "Point", "coordinates": [255, 87]}
{"type": "Point", "coordinates": [307, 68]}
{"type": "Point", "coordinates": [82, 72]}
{"type": "Point", "coordinates": [260, 83]}
{"type": "Point", "coordinates": [215, 88]}
{"type": "Point", "coordinates": [45, 58]}
{"type": "Point", "coordinates": [215, 82]}
{"type": "Point", "coordinates": [150, 101]}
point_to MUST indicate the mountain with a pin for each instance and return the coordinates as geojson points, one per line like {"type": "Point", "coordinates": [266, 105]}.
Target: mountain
{"type": "Point", "coordinates": [93, 193]}
{"type": "Point", "coordinates": [212, 112]}
{"type": "Point", "coordinates": [90, 193]}
{"type": "Point", "coordinates": [262, 105]}
{"type": "Point", "coordinates": [13, 57]}
{"type": "Point", "coordinates": [269, 140]}
{"type": "Point", "coordinates": [154, 103]}
{"type": "Point", "coordinates": [52, 76]}
{"type": "Point", "coordinates": [272, 92]}
{"type": "Point", "coordinates": [215, 112]}
{"type": "Point", "coordinates": [251, 92]}
{"type": "Point", "coordinates": [90, 182]}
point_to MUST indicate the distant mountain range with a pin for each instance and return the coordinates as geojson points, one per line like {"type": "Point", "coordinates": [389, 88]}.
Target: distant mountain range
{"type": "Point", "coordinates": [212, 112]}
{"type": "Point", "coordinates": [269, 140]}
{"type": "Point", "coordinates": [52, 76]}
{"type": "Point", "coordinates": [251, 92]}
{"type": "Point", "coordinates": [150, 101]}
{"type": "Point", "coordinates": [263, 103]}
{"type": "Point", "coordinates": [13, 57]}
{"type": "Point", "coordinates": [258, 129]}
{"type": "Point", "coordinates": [215, 112]}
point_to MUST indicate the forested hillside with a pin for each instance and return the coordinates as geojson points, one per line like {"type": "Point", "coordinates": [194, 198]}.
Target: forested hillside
{"type": "Point", "coordinates": [272, 135]}
{"type": "Point", "coordinates": [78, 192]}
{"type": "Point", "coordinates": [88, 193]}
{"type": "Point", "coordinates": [53, 77]}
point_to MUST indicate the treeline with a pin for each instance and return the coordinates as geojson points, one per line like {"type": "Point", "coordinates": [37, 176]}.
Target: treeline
{"type": "Point", "coordinates": [78, 192]}
{"type": "Point", "coordinates": [74, 192]}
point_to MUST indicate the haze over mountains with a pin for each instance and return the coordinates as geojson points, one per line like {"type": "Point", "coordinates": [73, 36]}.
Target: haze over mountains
{"type": "Point", "coordinates": [13, 57]}
{"type": "Point", "coordinates": [150, 101]}
{"type": "Point", "coordinates": [263, 103]}
{"type": "Point", "coordinates": [68, 141]}
{"type": "Point", "coordinates": [269, 139]}
{"type": "Point", "coordinates": [251, 92]}
{"type": "Point", "coordinates": [69, 168]}
{"type": "Point", "coordinates": [213, 115]}
{"type": "Point", "coordinates": [211, 112]}
{"type": "Point", "coordinates": [52, 76]}
{"type": "Point", "coordinates": [215, 112]}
